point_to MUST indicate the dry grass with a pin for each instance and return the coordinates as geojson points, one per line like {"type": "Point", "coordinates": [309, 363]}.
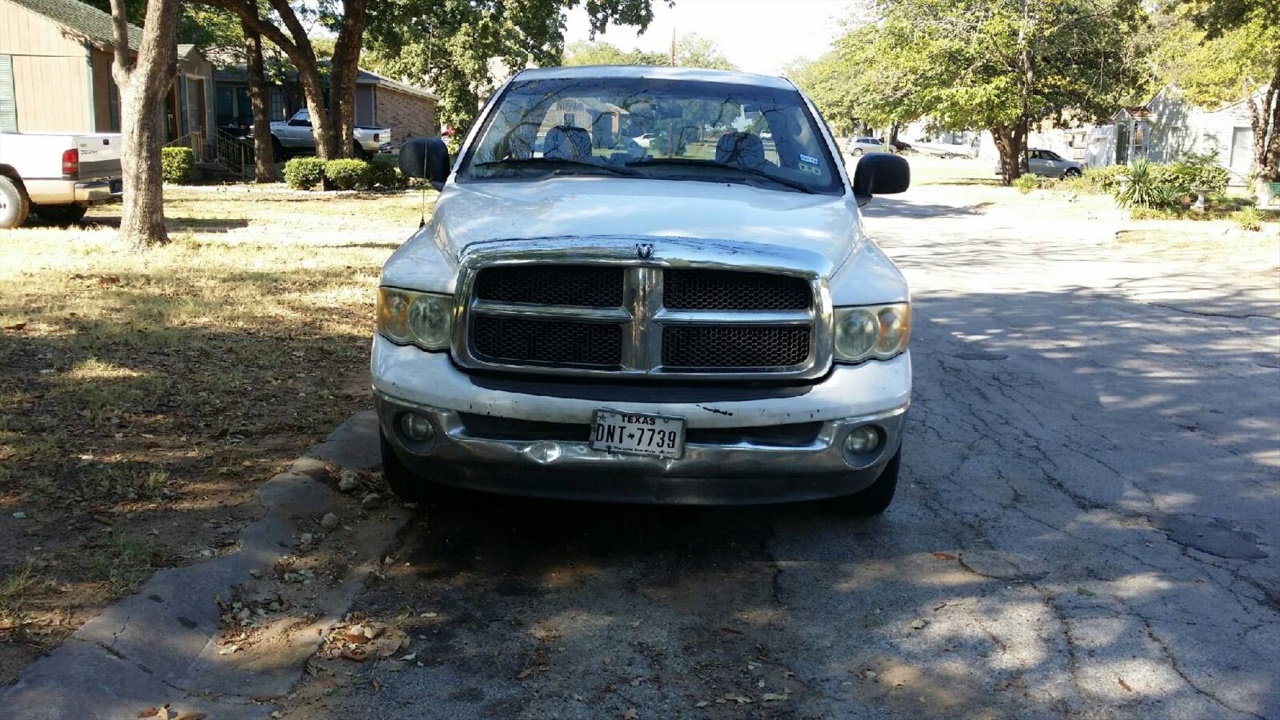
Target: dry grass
{"type": "Point", "coordinates": [145, 395]}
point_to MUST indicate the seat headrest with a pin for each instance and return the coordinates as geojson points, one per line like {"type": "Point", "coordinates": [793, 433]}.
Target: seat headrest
{"type": "Point", "coordinates": [566, 142]}
{"type": "Point", "coordinates": [740, 148]}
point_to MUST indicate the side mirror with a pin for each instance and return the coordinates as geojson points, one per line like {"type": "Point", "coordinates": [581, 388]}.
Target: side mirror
{"type": "Point", "coordinates": [881, 174]}
{"type": "Point", "coordinates": [425, 158]}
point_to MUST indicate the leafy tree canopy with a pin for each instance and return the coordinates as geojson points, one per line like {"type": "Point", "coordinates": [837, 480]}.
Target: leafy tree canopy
{"type": "Point", "coordinates": [461, 47]}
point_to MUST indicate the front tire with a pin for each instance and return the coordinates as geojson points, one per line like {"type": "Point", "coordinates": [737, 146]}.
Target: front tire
{"type": "Point", "coordinates": [1071, 172]}
{"type": "Point", "coordinates": [277, 150]}
{"type": "Point", "coordinates": [358, 152]}
{"type": "Point", "coordinates": [60, 214]}
{"type": "Point", "coordinates": [875, 499]}
{"type": "Point", "coordinates": [399, 479]}
{"type": "Point", "coordinates": [856, 152]}
{"type": "Point", "coordinates": [14, 203]}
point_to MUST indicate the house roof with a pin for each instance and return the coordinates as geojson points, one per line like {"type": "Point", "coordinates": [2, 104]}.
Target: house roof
{"type": "Point", "coordinates": [367, 76]}
{"type": "Point", "coordinates": [363, 77]}
{"type": "Point", "coordinates": [81, 18]}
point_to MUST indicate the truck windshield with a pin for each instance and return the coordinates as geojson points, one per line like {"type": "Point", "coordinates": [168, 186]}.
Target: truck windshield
{"type": "Point", "coordinates": [657, 129]}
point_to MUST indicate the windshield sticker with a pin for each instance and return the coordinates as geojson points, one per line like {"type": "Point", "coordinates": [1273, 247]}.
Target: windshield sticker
{"type": "Point", "coordinates": [809, 169]}
{"type": "Point", "coordinates": [808, 159]}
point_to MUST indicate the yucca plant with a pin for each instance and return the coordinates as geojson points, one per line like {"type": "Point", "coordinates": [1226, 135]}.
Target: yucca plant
{"type": "Point", "coordinates": [1146, 188]}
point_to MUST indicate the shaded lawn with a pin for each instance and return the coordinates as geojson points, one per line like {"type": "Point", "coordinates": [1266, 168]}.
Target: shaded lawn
{"type": "Point", "coordinates": [145, 395]}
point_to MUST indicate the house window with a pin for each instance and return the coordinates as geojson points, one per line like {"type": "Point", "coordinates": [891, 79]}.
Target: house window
{"type": "Point", "coordinates": [277, 104]}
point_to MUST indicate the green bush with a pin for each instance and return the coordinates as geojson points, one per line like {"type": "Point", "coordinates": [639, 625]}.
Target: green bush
{"type": "Point", "coordinates": [1249, 219]}
{"type": "Point", "coordinates": [1026, 183]}
{"type": "Point", "coordinates": [348, 174]}
{"type": "Point", "coordinates": [1197, 171]}
{"type": "Point", "coordinates": [304, 173]}
{"type": "Point", "coordinates": [383, 172]}
{"type": "Point", "coordinates": [1146, 188]}
{"type": "Point", "coordinates": [1103, 180]}
{"type": "Point", "coordinates": [177, 164]}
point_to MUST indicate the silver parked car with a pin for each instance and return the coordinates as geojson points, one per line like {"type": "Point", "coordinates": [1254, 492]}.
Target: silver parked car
{"type": "Point", "coordinates": [1047, 163]}
{"type": "Point", "coordinates": [857, 146]}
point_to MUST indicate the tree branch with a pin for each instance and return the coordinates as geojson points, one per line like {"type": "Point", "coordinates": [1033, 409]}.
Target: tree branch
{"type": "Point", "coordinates": [120, 34]}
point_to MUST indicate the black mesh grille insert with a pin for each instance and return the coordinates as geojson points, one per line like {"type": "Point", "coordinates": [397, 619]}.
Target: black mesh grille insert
{"type": "Point", "coordinates": [566, 342]}
{"type": "Point", "coordinates": [733, 290]}
{"type": "Point", "coordinates": [581, 285]}
{"type": "Point", "coordinates": [724, 346]}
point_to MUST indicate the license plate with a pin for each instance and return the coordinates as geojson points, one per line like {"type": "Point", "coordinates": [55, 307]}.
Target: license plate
{"type": "Point", "coordinates": [117, 187]}
{"type": "Point", "coordinates": [621, 432]}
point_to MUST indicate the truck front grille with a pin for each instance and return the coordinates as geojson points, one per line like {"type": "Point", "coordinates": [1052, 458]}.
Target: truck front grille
{"type": "Point", "coordinates": [719, 346]}
{"type": "Point", "coordinates": [508, 339]}
{"type": "Point", "coordinates": [734, 290]}
{"type": "Point", "coordinates": [640, 320]}
{"type": "Point", "coordinates": [578, 286]}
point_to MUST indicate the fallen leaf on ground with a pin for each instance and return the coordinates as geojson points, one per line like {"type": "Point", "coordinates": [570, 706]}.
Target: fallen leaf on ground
{"type": "Point", "coordinates": [918, 624]}
{"type": "Point", "coordinates": [191, 716]}
{"type": "Point", "coordinates": [227, 650]}
{"type": "Point", "coordinates": [358, 654]}
{"type": "Point", "coordinates": [524, 673]}
{"type": "Point", "coordinates": [701, 703]}
{"type": "Point", "coordinates": [1085, 591]}
{"type": "Point", "coordinates": [773, 697]}
{"type": "Point", "coordinates": [630, 714]}
{"type": "Point", "coordinates": [1124, 684]}
{"type": "Point", "coordinates": [944, 556]}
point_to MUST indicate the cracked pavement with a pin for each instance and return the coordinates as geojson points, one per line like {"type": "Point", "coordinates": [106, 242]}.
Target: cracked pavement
{"type": "Point", "coordinates": [1086, 528]}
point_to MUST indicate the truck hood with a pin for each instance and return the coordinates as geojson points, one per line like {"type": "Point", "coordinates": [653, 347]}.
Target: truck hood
{"type": "Point", "coordinates": [589, 210]}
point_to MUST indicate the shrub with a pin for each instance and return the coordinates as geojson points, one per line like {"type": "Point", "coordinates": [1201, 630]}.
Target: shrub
{"type": "Point", "coordinates": [304, 173]}
{"type": "Point", "coordinates": [384, 172]}
{"type": "Point", "coordinates": [1146, 189]}
{"type": "Point", "coordinates": [177, 164]}
{"type": "Point", "coordinates": [1249, 219]}
{"type": "Point", "coordinates": [1026, 183]}
{"type": "Point", "coordinates": [1197, 171]}
{"type": "Point", "coordinates": [348, 174]}
{"type": "Point", "coordinates": [1105, 179]}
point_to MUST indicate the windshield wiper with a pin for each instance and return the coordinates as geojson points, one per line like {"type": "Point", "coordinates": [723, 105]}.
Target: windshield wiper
{"type": "Point", "coordinates": [754, 172]}
{"type": "Point", "coordinates": [558, 164]}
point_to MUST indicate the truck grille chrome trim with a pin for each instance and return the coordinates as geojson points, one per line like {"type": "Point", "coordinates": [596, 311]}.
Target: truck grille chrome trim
{"type": "Point", "coordinates": [614, 316]}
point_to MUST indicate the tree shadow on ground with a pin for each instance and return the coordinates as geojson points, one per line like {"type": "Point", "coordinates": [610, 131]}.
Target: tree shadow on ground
{"type": "Point", "coordinates": [1086, 527]}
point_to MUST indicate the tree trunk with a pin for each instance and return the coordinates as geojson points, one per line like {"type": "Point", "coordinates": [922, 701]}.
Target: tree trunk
{"type": "Point", "coordinates": [144, 85]}
{"type": "Point", "coordinates": [1010, 142]}
{"type": "Point", "coordinates": [264, 169]}
{"type": "Point", "coordinates": [301, 52]}
{"type": "Point", "coordinates": [346, 68]}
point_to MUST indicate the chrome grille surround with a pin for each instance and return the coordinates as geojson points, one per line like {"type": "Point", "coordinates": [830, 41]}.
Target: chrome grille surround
{"type": "Point", "coordinates": [642, 315]}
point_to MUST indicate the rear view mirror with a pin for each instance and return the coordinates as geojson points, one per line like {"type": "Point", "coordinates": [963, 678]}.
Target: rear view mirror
{"type": "Point", "coordinates": [425, 158]}
{"type": "Point", "coordinates": [881, 174]}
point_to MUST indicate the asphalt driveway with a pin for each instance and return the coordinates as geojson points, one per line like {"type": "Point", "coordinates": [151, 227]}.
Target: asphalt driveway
{"type": "Point", "coordinates": [1088, 525]}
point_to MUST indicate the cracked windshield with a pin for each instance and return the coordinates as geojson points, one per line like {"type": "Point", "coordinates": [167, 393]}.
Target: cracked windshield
{"type": "Point", "coordinates": [672, 130]}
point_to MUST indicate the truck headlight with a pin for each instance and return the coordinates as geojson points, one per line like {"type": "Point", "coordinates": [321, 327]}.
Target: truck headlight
{"type": "Point", "coordinates": [871, 331]}
{"type": "Point", "coordinates": [423, 319]}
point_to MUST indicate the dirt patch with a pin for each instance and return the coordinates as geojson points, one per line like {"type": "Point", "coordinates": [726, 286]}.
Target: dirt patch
{"type": "Point", "coordinates": [145, 396]}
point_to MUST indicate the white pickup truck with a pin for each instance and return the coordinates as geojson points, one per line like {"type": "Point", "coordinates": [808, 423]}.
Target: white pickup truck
{"type": "Point", "coordinates": [295, 136]}
{"type": "Point", "coordinates": [56, 176]}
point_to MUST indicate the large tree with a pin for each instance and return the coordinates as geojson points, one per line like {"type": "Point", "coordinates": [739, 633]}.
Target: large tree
{"type": "Point", "coordinates": [1006, 66]}
{"type": "Point", "coordinates": [143, 83]}
{"type": "Point", "coordinates": [584, 52]}
{"type": "Point", "coordinates": [462, 48]}
{"type": "Point", "coordinates": [1228, 51]}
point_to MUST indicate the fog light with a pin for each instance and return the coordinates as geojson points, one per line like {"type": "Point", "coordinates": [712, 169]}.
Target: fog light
{"type": "Point", "coordinates": [416, 427]}
{"type": "Point", "coordinates": [862, 440]}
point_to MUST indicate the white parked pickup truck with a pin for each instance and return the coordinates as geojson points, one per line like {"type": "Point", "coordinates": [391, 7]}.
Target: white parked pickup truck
{"type": "Point", "coordinates": [702, 320]}
{"type": "Point", "coordinates": [295, 136]}
{"type": "Point", "coordinates": [56, 176]}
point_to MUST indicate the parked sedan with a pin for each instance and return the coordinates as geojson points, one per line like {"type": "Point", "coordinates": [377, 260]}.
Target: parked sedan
{"type": "Point", "coordinates": [1047, 163]}
{"type": "Point", "coordinates": [858, 146]}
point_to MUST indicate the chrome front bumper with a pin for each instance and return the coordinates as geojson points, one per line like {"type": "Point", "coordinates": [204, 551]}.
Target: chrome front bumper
{"type": "Point", "coordinates": [736, 473]}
